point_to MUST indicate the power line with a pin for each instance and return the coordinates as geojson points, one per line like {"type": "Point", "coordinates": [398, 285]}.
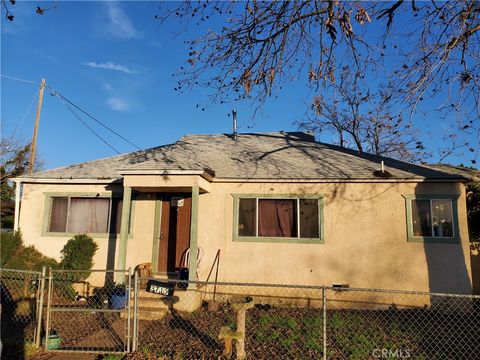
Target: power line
{"type": "Point", "coordinates": [84, 123]}
{"type": "Point", "coordinates": [26, 113]}
{"type": "Point", "coordinates": [59, 95]}
{"type": "Point", "coordinates": [17, 79]}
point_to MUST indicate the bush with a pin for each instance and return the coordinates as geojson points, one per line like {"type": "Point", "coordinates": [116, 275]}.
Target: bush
{"type": "Point", "coordinates": [29, 258]}
{"type": "Point", "coordinates": [10, 243]}
{"type": "Point", "coordinates": [77, 254]}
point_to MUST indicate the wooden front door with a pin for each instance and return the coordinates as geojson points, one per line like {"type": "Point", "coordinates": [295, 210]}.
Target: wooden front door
{"type": "Point", "coordinates": [174, 231]}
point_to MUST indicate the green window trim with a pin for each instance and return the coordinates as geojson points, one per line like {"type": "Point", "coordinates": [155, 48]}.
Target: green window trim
{"type": "Point", "coordinates": [455, 239]}
{"type": "Point", "coordinates": [109, 195]}
{"type": "Point", "coordinates": [292, 240]}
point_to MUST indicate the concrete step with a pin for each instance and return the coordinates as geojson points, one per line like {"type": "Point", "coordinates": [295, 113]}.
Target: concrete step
{"type": "Point", "coordinates": [148, 313]}
{"type": "Point", "coordinates": [184, 300]}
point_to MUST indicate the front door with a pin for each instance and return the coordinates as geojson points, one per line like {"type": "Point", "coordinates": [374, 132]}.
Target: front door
{"type": "Point", "coordinates": [174, 231]}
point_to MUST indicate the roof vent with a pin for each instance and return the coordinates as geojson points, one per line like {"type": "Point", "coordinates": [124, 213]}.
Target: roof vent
{"type": "Point", "coordinates": [234, 115]}
{"type": "Point", "coordinates": [382, 173]}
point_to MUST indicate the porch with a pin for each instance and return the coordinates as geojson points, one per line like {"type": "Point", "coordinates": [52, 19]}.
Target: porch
{"type": "Point", "coordinates": [175, 227]}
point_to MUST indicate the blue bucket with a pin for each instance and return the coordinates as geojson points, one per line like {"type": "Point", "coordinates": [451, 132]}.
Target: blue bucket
{"type": "Point", "coordinates": [118, 299]}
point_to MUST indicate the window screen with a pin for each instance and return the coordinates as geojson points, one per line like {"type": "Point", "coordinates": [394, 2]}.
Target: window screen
{"type": "Point", "coordinates": [247, 217]}
{"type": "Point", "coordinates": [58, 216]}
{"type": "Point", "coordinates": [432, 218]}
{"type": "Point", "coordinates": [287, 218]}
{"type": "Point", "coordinates": [442, 218]}
{"type": "Point", "coordinates": [309, 220]}
{"type": "Point", "coordinates": [85, 214]}
{"type": "Point", "coordinates": [421, 220]}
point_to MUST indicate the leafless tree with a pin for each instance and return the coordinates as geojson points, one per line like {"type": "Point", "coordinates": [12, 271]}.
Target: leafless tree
{"type": "Point", "coordinates": [432, 49]}
{"type": "Point", "coordinates": [369, 122]}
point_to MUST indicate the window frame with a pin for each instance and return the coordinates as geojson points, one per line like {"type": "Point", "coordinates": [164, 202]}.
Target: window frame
{"type": "Point", "coordinates": [47, 212]}
{"type": "Point", "coordinates": [455, 239]}
{"type": "Point", "coordinates": [266, 239]}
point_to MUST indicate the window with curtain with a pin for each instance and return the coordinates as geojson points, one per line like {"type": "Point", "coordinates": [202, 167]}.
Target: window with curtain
{"type": "Point", "coordinates": [96, 215]}
{"type": "Point", "coordinates": [432, 218]}
{"type": "Point", "coordinates": [278, 218]}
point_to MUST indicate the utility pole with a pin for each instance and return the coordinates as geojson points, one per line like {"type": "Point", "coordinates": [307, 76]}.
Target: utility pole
{"type": "Point", "coordinates": [35, 129]}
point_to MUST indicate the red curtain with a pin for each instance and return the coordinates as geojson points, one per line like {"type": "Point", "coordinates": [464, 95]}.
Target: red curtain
{"type": "Point", "coordinates": [277, 218]}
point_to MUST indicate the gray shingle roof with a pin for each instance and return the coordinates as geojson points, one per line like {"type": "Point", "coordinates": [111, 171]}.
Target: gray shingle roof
{"type": "Point", "coordinates": [291, 155]}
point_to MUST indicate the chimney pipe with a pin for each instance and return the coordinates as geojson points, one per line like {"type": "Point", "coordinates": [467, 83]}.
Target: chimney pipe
{"type": "Point", "coordinates": [234, 114]}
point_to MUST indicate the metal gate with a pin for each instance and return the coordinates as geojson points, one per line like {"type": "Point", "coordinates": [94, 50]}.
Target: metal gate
{"type": "Point", "coordinates": [89, 311]}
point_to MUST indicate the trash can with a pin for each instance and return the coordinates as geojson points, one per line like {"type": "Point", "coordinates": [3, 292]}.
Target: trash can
{"type": "Point", "coordinates": [118, 299]}
{"type": "Point", "coordinates": [183, 275]}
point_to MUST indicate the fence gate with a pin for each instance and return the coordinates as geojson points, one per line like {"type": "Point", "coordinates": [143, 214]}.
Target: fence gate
{"type": "Point", "coordinates": [89, 311]}
{"type": "Point", "coordinates": [20, 298]}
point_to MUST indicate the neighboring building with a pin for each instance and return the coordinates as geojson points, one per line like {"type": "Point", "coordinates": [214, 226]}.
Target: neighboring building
{"type": "Point", "coordinates": [281, 207]}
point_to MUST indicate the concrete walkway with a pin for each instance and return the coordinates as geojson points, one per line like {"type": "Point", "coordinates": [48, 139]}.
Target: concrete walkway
{"type": "Point", "coordinates": [72, 356]}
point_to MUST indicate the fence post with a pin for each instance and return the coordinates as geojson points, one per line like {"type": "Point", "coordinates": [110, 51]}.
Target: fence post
{"type": "Point", "coordinates": [324, 296]}
{"type": "Point", "coordinates": [49, 304]}
{"type": "Point", "coordinates": [135, 312]}
{"type": "Point", "coordinates": [38, 332]}
{"type": "Point", "coordinates": [129, 304]}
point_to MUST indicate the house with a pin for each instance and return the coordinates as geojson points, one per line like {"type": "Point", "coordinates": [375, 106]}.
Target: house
{"type": "Point", "coordinates": [280, 207]}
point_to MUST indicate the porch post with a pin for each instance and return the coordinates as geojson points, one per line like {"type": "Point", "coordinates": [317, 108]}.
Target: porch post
{"type": "Point", "coordinates": [192, 261]}
{"type": "Point", "coordinates": [18, 187]}
{"type": "Point", "coordinates": [122, 247]}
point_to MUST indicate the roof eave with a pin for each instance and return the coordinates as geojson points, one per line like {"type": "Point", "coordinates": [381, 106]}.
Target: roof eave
{"type": "Point", "coordinates": [204, 174]}
{"type": "Point", "coordinates": [65, 180]}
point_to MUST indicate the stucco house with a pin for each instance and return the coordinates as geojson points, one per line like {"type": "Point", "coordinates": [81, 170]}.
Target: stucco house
{"type": "Point", "coordinates": [281, 207]}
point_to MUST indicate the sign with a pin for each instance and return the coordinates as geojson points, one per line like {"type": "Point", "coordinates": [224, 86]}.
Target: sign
{"type": "Point", "coordinates": [159, 287]}
{"type": "Point", "coordinates": [177, 201]}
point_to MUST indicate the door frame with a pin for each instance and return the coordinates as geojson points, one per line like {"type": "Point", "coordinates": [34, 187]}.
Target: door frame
{"type": "Point", "coordinates": [159, 200]}
{"type": "Point", "coordinates": [192, 265]}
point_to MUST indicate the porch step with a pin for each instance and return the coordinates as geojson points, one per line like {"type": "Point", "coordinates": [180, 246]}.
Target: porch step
{"type": "Point", "coordinates": [147, 313]}
{"type": "Point", "coordinates": [151, 313]}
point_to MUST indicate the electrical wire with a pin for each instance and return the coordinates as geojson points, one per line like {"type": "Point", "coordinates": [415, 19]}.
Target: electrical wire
{"type": "Point", "coordinates": [69, 104]}
{"type": "Point", "coordinates": [84, 123]}
{"type": "Point", "coordinates": [26, 113]}
{"type": "Point", "coordinates": [59, 95]}
{"type": "Point", "coordinates": [17, 79]}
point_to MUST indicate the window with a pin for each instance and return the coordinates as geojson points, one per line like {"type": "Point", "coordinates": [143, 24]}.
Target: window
{"type": "Point", "coordinates": [76, 214]}
{"type": "Point", "coordinates": [278, 219]}
{"type": "Point", "coordinates": [431, 218]}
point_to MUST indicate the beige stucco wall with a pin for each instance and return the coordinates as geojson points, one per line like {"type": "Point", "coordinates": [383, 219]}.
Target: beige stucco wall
{"type": "Point", "coordinates": [32, 222]}
{"type": "Point", "coordinates": [365, 237]}
{"type": "Point", "coordinates": [365, 240]}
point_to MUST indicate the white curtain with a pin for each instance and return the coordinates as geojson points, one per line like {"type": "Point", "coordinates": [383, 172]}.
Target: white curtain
{"type": "Point", "coordinates": [88, 215]}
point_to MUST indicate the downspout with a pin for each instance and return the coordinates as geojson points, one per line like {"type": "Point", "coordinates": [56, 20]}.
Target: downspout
{"type": "Point", "coordinates": [18, 186]}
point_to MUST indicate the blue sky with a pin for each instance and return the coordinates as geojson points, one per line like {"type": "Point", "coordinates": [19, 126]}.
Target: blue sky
{"type": "Point", "coordinates": [115, 61]}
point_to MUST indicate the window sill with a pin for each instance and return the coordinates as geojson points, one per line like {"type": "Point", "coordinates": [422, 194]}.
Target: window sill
{"type": "Point", "coordinates": [284, 240]}
{"type": "Point", "coordinates": [433, 240]}
{"type": "Point", "coordinates": [93, 235]}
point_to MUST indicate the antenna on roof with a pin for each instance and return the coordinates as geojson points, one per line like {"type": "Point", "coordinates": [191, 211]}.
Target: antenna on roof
{"type": "Point", "coordinates": [234, 115]}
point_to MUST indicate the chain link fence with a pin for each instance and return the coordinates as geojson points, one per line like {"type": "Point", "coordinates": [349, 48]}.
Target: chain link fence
{"type": "Point", "coordinates": [20, 310]}
{"type": "Point", "coordinates": [89, 311]}
{"type": "Point", "coordinates": [115, 312]}
{"type": "Point", "coordinates": [262, 321]}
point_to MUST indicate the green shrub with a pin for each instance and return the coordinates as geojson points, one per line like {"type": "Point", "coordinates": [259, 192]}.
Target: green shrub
{"type": "Point", "coordinates": [77, 254]}
{"type": "Point", "coordinates": [29, 258]}
{"type": "Point", "coordinates": [10, 243]}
